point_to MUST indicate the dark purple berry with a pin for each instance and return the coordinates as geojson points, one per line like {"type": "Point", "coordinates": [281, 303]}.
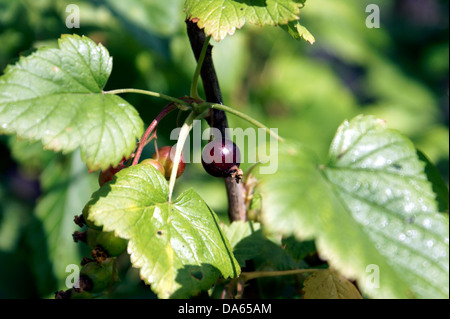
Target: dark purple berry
{"type": "Point", "coordinates": [221, 158]}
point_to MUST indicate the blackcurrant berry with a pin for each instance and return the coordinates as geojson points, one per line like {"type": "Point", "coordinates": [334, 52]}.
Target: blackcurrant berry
{"type": "Point", "coordinates": [221, 158]}
{"type": "Point", "coordinates": [155, 164]}
{"type": "Point", "coordinates": [164, 157]}
{"type": "Point", "coordinates": [96, 277]}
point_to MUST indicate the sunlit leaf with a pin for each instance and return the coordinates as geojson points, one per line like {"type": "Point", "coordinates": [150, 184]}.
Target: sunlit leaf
{"type": "Point", "coordinates": [298, 31]}
{"type": "Point", "coordinates": [328, 284]}
{"type": "Point", "coordinates": [178, 246]}
{"type": "Point", "coordinates": [55, 96]}
{"type": "Point", "coordinates": [370, 207]}
{"type": "Point", "coordinates": [221, 18]}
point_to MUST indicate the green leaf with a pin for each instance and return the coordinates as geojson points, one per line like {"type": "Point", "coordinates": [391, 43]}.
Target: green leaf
{"type": "Point", "coordinates": [439, 186]}
{"type": "Point", "coordinates": [298, 250]}
{"type": "Point", "coordinates": [55, 96]}
{"type": "Point", "coordinates": [328, 284]}
{"type": "Point", "coordinates": [222, 17]}
{"type": "Point", "coordinates": [245, 238]}
{"type": "Point", "coordinates": [66, 185]}
{"type": "Point", "coordinates": [178, 246]}
{"type": "Point", "coordinates": [370, 210]}
{"type": "Point", "coordinates": [274, 256]}
{"type": "Point", "coordinates": [298, 32]}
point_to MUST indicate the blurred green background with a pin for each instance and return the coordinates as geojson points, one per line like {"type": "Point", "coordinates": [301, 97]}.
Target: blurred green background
{"type": "Point", "coordinates": [398, 72]}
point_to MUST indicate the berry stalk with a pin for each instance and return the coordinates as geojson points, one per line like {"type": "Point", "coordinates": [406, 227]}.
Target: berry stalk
{"type": "Point", "coordinates": [167, 109]}
{"type": "Point", "coordinates": [150, 93]}
{"type": "Point", "coordinates": [184, 134]}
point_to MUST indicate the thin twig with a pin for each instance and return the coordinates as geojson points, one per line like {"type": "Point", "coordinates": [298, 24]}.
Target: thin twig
{"type": "Point", "coordinates": [217, 118]}
{"type": "Point", "coordinates": [246, 276]}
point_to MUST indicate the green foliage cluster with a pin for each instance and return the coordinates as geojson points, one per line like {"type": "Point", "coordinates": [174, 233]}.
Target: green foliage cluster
{"type": "Point", "coordinates": [307, 91]}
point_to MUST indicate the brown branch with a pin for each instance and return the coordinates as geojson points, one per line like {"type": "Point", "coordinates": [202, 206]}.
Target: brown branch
{"type": "Point", "coordinates": [216, 118]}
